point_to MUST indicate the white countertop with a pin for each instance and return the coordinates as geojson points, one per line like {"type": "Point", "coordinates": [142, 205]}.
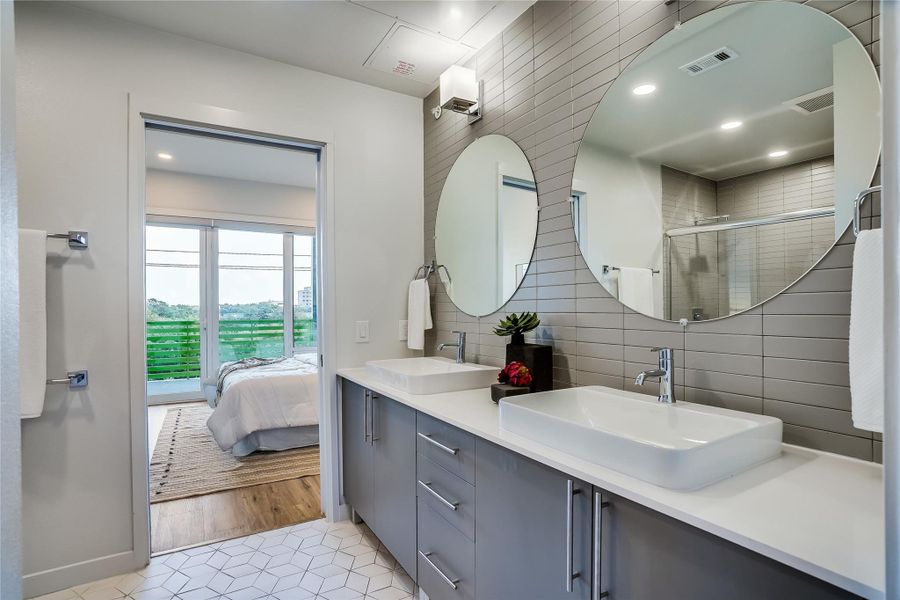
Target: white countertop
{"type": "Point", "coordinates": [817, 512]}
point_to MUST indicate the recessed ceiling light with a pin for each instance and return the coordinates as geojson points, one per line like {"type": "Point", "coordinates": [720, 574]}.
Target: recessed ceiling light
{"type": "Point", "coordinates": [164, 156]}
{"type": "Point", "coordinates": [778, 153]}
{"type": "Point", "coordinates": [455, 13]}
{"type": "Point", "coordinates": [644, 89]}
{"type": "Point", "coordinates": [731, 124]}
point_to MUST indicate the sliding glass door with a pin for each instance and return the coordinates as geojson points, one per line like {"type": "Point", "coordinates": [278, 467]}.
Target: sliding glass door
{"type": "Point", "coordinates": [218, 294]}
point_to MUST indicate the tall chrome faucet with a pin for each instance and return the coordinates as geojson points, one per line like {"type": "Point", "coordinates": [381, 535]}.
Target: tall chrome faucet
{"type": "Point", "coordinates": [460, 346]}
{"type": "Point", "coordinates": [665, 373]}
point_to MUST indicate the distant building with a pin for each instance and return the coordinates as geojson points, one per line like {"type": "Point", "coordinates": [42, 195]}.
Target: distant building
{"type": "Point", "coordinates": [305, 299]}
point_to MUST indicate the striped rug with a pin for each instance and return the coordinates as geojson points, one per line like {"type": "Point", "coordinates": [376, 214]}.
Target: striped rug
{"type": "Point", "coordinates": [188, 462]}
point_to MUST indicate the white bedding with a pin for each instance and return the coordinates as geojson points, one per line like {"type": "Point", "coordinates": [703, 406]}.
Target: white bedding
{"type": "Point", "coordinates": [283, 394]}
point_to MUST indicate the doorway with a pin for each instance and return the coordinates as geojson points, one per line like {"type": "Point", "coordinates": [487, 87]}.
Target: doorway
{"type": "Point", "coordinates": [232, 331]}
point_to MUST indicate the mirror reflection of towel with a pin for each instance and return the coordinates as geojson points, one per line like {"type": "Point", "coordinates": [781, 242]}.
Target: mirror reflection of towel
{"type": "Point", "coordinates": [636, 289]}
{"type": "Point", "coordinates": [419, 314]}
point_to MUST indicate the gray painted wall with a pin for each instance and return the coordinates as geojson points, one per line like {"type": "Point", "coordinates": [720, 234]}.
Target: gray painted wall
{"type": "Point", "coordinates": [544, 75]}
{"type": "Point", "coordinates": [10, 444]}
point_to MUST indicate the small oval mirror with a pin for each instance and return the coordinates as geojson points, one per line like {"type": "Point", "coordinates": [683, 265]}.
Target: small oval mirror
{"type": "Point", "coordinates": [486, 225]}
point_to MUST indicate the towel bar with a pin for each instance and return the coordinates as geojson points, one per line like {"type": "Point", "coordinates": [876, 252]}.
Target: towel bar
{"type": "Point", "coordinates": [607, 269]}
{"type": "Point", "coordinates": [857, 205]}
{"type": "Point", "coordinates": [74, 379]}
{"type": "Point", "coordinates": [78, 240]}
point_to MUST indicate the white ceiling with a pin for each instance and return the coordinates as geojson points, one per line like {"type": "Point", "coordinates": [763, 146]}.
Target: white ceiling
{"type": "Point", "coordinates": [336, 37]}
{"type": "Point", "coordinates": [202, 155]}
{"type": "Point", "coordinates": [678, 124]}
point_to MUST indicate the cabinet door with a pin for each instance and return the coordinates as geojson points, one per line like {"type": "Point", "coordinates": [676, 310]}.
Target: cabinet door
{"type": "Point", "coordinates": [649, 555]}
{"type": "Point", "coordinates": [525, 529]}
{"type": "Point", "coordinates": [357, 451]}
{"type": "Point", "coordinates": [394, 432]}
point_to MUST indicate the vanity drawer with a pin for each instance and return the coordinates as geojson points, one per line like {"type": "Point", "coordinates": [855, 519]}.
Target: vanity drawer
{"type": "Point", "coordinates": [447, 494]}
{"type": "Point", "coordinates": [448, 446]}
{"type": "Point", "coordinates": [446, 558]}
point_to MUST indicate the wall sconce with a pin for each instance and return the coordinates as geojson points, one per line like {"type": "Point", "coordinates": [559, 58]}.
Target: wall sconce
{"type": "Point", "coordinates": [460, 92]}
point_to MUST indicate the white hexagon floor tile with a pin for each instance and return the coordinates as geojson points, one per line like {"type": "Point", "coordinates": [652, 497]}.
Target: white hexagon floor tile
{"type": "Point", "coordinates": [311, 561]}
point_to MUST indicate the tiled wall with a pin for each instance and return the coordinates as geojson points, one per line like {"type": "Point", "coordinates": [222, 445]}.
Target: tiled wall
{"type": "Point", "coordinates": [543, 78]}
{"type": "Point", "coordinates": [759, 262]}
{"type": "Point", "coordinates": [691, 262]}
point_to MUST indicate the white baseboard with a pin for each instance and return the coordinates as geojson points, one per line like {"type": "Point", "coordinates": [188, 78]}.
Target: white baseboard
{"type": "Point", "coordinates": [60, 578]}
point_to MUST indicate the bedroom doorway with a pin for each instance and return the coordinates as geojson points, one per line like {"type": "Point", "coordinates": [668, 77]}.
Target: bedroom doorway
{"type": "Point", "coordinates": [232, 335]}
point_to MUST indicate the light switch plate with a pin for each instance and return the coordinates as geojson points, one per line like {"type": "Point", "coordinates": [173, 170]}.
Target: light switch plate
{"type": "Point", "coordinates": [403, 330]}
{"type": "Point", "coordinates": [362, 332]}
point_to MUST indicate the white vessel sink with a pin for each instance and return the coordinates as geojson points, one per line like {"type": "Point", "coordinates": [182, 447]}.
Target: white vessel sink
{"type": "Point", "coordinates": [426, 375]}
{"type": "Point", "coordinates": [681, 446]}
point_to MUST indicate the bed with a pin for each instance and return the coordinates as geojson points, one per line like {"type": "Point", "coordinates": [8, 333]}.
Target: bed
{"type": "Point", "coordinates": [268, 407]}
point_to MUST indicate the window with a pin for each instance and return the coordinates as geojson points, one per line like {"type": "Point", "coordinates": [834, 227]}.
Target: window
{"type": "Point", "coordinates": [216, 295]}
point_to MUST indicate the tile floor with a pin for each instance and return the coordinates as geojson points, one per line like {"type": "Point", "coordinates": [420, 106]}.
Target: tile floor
{"type": "Point", "coordinates": [314, 560]}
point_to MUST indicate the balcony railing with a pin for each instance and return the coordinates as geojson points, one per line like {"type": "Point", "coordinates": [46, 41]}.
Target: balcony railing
{"type": "Point", "coordinates": [173, 347]}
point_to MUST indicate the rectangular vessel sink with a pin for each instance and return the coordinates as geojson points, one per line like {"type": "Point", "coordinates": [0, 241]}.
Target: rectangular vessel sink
{"type": "Point", "coordinates": [426, 375]}
{"type": "Point", "coordinates": [682, 446]}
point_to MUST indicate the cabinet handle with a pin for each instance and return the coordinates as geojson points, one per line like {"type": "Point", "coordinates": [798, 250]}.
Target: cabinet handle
{"type": "Point", "coordinates": [571, 575]}
{"type": "Point", "coordinates": [429, 439]}
{"type": "Point", "coordinates": [372, 397]}
{"type": "Point", "coordinates": [444, 501]}
{"type": "Point", "coordinates": [597, 592]}
{"type": "Point", "coordinates": [366, 417]}
{"type": "Point", "coordinates": [451, 582]}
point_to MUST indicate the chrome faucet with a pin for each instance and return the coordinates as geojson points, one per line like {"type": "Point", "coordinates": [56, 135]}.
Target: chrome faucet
{"type": "Point", "coordinates": [460, 346]}
{"type": "Point", "coordinates": [665, 373]}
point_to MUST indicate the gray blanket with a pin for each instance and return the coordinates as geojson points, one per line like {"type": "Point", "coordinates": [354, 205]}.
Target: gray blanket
{"type": "Point", "coordinates": [239, 365]}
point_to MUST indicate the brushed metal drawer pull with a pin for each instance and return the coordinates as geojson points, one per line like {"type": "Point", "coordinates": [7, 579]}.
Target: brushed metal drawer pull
{"type": "Point", "coordinates": [444, 501]}
{"type": "Point", "coordinates": [447, 449]}
{"type": "Point", "coordinates": [571, 575]}
{"type": "Point", "coordinates": [451, 582]}
{"type": "Point", "coordinates": [597, 592]}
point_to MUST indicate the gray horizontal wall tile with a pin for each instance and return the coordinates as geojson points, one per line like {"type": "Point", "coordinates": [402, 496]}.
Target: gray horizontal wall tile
{"type": "Point", "coordinates": [544, 77]}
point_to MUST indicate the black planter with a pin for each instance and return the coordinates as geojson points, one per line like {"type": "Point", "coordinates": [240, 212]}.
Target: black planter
{"type": "Point", "coordinates": [504, 390]}
{"type": "Point", "coordinates": [517, 339]}
{"type": "Point", "coordinates": [539, 360]}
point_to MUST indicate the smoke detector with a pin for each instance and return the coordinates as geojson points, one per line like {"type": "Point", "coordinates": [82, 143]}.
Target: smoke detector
{"type": "Point", "coordinates": [709, 62]}
{"type": "Point", "coordinates": [813, 102]}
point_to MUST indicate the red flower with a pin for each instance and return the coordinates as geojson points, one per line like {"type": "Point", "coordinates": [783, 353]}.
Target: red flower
{"type": "Point", "coordinates": [515, 373]}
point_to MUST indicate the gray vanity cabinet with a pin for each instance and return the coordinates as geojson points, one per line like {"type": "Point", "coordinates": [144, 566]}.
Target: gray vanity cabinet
{"type": "Point", "coordinates": [394, 441]}
{"type": "Point", "coordinates": [649, 555]}
{"type": "Point", "coordinates": [532, 530]}
{"type": "Point", "coordinates": [379, 468]}
{"type": "Point", "coordinates": [358, 455]}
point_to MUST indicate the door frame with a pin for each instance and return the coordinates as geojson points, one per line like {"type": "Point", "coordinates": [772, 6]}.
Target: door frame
{"type": "Point", "coordinates": [299, 127]}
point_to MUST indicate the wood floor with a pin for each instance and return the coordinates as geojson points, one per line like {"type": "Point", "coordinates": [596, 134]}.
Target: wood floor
{"type": "Point", "coordinates": [233, 513]}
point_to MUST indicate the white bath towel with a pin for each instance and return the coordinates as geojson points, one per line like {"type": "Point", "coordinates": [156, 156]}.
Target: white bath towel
{"type": "Point", "coordinates": [867, 332]}
{"type": "Point", "coordinates": [32, 320]}
{"type": "Point", "coordinates": [636, 289]}
{"type": "Point", "coordinates": [418, 313]}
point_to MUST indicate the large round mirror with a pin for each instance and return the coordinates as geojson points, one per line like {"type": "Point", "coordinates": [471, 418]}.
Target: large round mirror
{"type": "Point", "coordinates": [486, 225]}
{"type": "Point", "coordinates": [722, 164]}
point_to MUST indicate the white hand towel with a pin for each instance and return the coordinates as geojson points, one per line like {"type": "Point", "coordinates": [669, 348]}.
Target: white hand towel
{"type": "Point", "coordinates": [32, 321]}
{"type": "Point", "coordinates": [636, 289]}
{"type": "Point", "coordinates": [418, 313]}
{"type": "Point", "coordinates": [867, 332]}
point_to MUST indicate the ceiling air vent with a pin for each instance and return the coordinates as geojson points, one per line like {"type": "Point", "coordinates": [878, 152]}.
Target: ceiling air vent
{"type": "Point", "coordinates": [710, 61]}
{"type": "Point", "coordinates": [813, 102]}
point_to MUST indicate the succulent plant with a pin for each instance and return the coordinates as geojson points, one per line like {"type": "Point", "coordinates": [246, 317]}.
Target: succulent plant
{"type": "Point", "coordinates": [516, 325]}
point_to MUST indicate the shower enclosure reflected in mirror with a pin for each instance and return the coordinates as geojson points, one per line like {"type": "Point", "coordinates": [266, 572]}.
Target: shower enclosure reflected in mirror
{"type": "Point", "coordinates": [486, 225]}
{"type": "Point", "coordinates": [722, 164]}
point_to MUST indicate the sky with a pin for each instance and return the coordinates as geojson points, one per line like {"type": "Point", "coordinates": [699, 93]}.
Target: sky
{"type": "Point", "coordinates": [178, 282]}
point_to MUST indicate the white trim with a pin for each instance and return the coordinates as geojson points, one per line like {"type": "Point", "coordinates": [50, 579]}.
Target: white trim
{"type": "Point", "coordinates": [227, 217]}
{"type": "Point", "coordinates": [59, 578]}
{"type": "Point", "coordinates": [297, 125]}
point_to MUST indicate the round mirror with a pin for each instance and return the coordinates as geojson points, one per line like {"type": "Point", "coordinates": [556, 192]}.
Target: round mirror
{"type": "Point", "coordinates": [486, 225]}
{"type": "Point", "coordinates": [722, 164]}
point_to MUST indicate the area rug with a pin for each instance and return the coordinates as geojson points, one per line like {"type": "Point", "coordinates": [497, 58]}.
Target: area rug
{"type": "Point", "coordinates": [188, 462]}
